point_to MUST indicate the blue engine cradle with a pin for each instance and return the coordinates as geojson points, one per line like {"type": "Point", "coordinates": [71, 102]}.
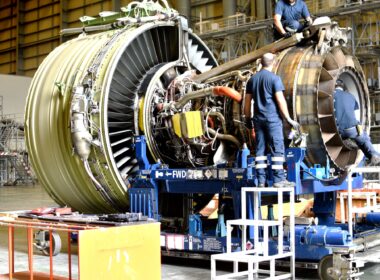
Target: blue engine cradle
{"type": "Point", "coordinates": [312, 242]}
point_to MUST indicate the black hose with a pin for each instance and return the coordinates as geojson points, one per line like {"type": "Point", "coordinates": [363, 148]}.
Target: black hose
{"type": "Point", "coordinates": [331, 180]}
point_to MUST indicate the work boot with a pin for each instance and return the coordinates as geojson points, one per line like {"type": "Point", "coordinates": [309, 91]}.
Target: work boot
{"type": "Point", "coordinates": [284, 184]}
{"type": "Point", "coordinates": [375, 160]}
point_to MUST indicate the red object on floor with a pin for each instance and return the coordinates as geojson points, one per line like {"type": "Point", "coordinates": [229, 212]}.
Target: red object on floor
{"type": "Point", "coordinates": [42, 211]}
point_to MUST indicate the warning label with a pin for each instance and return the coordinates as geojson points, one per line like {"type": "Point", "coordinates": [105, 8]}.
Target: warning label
{"type": "Point", "coordinates": [195, 174]}
{"type": "Point", "coordinates": [212, 244]}
{"type": "Point", "coordinates": [223, 174]}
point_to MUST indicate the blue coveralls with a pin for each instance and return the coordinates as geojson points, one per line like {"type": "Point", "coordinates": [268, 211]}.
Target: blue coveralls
{"type": "Point", "coordinates": [267, 123]}
{"type": "Point", "coordinates": [344, 107]}
{"type": "Point", "coordinates": [290, 15]}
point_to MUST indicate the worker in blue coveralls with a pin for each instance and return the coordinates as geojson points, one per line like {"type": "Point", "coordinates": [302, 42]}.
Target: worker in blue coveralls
{"type": "Point", "coordinates": [349, 127]}
{"type": "Point", "coordinates": [287, 15]}
{"type": "Point", "coordinates": [266, 90]}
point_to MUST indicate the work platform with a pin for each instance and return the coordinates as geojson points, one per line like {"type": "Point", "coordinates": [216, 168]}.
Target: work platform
{"type": "Point", "coordinates": [96, 248]}
{"type": "Point", "coordinates": [258, 251]}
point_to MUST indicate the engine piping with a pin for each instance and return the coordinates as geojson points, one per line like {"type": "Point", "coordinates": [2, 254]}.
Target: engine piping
{"type": "Point", "coordinates": [218, 91]}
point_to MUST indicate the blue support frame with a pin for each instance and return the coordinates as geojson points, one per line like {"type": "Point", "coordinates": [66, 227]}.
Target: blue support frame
{"type": "Point", "coordinates": [315, 179]}
{"type": "Point", "coordinates": [143, 195]}
{"type": "Point", "coordinates": [310, 241]}
{"type": "Point", "coordinates": [324, 208]}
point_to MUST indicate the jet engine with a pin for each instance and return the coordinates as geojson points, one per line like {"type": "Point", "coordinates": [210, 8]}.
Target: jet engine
{"type": "Point", "coordinates": [151, 75]}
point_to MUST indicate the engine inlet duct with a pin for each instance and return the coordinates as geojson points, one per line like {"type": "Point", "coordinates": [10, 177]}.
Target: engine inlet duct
{"type": "Point", "coordinates": [147, 74]}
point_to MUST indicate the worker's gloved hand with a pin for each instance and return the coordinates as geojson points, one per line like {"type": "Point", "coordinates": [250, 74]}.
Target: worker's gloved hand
{"type": "Point", "coordinates": [249, 123]}
{"type": "Point", "coordinates": [288, 34]}
{"type": "Point", "coordinates": [359, 129]}
{"type": "Point", "coordinates": [253, 134]}
{"type": "Point", "coordinates": [294, 124]}
{"type": "Point", "coordinates": [308, 23]}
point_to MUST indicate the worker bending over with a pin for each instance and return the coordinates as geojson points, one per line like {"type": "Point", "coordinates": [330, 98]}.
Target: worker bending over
{"type": "Point", "coordinates": [266, 90]}
{"type": "Point", "coordinates": [349, 127]}
{"type": "Point", "coordinates": [287, 16]}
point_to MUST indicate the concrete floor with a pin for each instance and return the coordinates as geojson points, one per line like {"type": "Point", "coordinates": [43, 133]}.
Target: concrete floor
{"type": "Point", "coordinates": [29, 197]}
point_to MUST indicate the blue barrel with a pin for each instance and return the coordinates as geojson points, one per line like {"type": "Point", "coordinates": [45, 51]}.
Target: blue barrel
{"type": "Point", "coordinates": [373, 218]}
{"type": "Point", "coordinates": [321, 235]}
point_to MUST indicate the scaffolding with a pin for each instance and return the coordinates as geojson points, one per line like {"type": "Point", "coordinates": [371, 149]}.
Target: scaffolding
{"type": "Point", "coordinates": [366, 46]}
{"type": "Point", "coordinates": [14, 160]}
{"type": "Point", "coordinates": [375, 115]}
{"type": "Point", "coordinates": [224, 35]}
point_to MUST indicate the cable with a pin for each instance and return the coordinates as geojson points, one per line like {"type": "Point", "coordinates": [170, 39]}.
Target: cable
{"type": "Point", "coordinates": [213, 140]}
{"type": "Point", "coordinates": [103, 192]}
{"type": "Point", "coordinates": [319, 179]}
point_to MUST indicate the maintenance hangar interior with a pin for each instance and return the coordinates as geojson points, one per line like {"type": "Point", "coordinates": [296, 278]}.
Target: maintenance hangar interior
{"type": "Point", "coordinates": [127, 151]}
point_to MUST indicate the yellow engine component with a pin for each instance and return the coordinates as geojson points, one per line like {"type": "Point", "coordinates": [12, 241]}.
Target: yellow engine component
{"type": "Point", "coordinates": [177, 124]}
{"type": "Point", "coordinates": [141, 110]}
{"type": "Point", "coordinates": [188, 124]}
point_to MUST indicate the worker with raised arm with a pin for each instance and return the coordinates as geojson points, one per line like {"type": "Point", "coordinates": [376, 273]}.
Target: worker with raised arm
{"type": "Point", "coordinates": [266, 90]}
{"type": "Point", "coordinates": [346, 109]}
{"type": "Point", "coordinates": [287, 17]}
